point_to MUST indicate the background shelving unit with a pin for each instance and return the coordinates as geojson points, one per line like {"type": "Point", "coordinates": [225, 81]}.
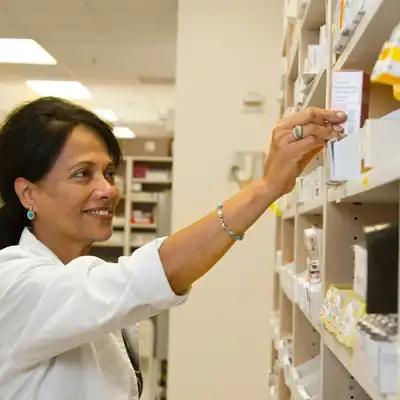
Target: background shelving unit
{"type": "Point", "coordinates": [143, 214]}
{"type": "Point", "coordinates": [301, 344]}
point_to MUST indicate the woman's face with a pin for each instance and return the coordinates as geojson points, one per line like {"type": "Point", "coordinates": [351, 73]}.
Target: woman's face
{"type": "Point", "coordinates": [77, 199]}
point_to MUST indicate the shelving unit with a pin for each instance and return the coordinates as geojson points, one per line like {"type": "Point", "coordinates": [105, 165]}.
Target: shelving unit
{"type": "Point", "coordinates": [151, 182]}
{"type": "Point", "coordinates": [341, 210]}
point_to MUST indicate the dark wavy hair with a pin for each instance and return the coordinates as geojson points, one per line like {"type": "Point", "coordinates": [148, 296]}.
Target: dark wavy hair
{"type": "Point", "coordinates": [31, 139]}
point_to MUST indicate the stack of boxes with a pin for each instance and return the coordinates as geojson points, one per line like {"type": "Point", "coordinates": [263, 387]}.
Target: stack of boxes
{"type": "Point", "coordinates": [314, 64]}
{"type": "Point", "coordinates": [347, 16]}
{"type": "Point", "coordinates": [310, 187]}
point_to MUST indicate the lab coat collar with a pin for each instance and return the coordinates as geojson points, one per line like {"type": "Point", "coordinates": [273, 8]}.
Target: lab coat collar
{"type": "Point", "coordinates": [29, 241]}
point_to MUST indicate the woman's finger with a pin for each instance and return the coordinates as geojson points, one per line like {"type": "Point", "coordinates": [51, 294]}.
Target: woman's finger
{"type": "Point", "coordinates": [316, 116]}
{"type": "Point", "coordinates": [333, 116]}
{"type": "Point", "coordinates": [326, 132]}
{"type": "Point", "coordinates": [307, 145]}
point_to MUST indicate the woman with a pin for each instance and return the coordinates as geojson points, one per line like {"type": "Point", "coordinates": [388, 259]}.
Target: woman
{"type": "Point", "coordinates": [61, 310]}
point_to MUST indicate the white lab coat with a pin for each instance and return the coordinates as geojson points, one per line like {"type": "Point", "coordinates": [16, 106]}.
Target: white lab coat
{"type": "Point", "coordinates": [60, 324]}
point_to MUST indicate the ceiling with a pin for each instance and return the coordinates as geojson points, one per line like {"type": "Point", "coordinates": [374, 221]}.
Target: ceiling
{"type": "Point", "coordinates": [123, 51]}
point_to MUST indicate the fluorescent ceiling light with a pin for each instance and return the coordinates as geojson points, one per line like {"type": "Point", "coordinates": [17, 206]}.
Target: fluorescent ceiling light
{"type": "Point", "coordinates": [108, 115]}
{"type": "Point", "coordinates": [123, 132]}
{"type": "Point", "coordinates": [65, 89]}
{"type": "Point", "coordinates": [24, 51]}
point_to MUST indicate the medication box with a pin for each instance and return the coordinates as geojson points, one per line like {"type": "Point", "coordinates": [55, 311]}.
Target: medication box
{"type": "Point", "coordinates": [350, 93]}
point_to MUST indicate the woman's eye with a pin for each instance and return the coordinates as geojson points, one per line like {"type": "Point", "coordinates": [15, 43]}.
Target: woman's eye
{"type": "Point", "coordinates": [81, 174]}
{"type": "Point", "coordinates": [110, 176]}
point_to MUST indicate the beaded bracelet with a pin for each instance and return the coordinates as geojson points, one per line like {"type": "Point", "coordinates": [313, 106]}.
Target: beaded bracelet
{"type": "Point", "coordinates": [224, 226]}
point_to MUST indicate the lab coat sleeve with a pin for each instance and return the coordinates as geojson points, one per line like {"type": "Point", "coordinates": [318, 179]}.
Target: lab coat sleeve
{"type": "Point", "coordinates": [65, 307]}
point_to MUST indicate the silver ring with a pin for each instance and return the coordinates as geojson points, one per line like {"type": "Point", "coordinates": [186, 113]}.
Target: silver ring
{"type": "Point", "coordinates": [297, 132]}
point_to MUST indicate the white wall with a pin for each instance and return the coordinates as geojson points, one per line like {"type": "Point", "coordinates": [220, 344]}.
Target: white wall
{"type": "Point", "coordinates": [219, 341]}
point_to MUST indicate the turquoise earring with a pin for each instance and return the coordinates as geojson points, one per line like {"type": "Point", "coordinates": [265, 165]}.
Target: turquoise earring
{"type": "Point", "coordinates": [30, 214]}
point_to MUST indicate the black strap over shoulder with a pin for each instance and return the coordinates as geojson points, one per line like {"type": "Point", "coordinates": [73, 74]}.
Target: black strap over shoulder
{"type": "Point", "coordinates": [134, 358]}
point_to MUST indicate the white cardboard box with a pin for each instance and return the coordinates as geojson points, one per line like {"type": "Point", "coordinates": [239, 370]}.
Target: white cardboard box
{"type": "Point", "coordinates": [375, 136]}
{"type": "Point", "coordinates": [350, 94]}
{"type": "Point", "coordinates": [344, 158]}
{"type": "Point", "coordinates": [360, 270]}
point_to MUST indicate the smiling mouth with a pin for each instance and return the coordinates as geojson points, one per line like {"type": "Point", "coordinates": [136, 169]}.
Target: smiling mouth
{"type": "Point", "coordinates": [100, 212]}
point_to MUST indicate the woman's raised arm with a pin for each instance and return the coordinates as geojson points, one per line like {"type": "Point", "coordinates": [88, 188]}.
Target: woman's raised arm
{"type": "Point", "coordinates": [190, 253]}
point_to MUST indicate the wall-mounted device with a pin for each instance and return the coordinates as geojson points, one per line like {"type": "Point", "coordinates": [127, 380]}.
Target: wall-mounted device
{"type": "Point", "coordinates": [247, 166]}
{"type": "Point", "coordinates": [253, 102]}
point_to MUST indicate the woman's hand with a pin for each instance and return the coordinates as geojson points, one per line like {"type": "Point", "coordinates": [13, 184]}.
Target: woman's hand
{"type": "Point", "coordinates": [295, 142]}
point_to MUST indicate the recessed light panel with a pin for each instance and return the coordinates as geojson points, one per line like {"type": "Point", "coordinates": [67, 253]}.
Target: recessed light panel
{"type": "Point", "coordinates": [123, 132]}
{"type": "Point", "coordinates": [24, 51]}
{"type": "Point", "coordinates": [64, 89]}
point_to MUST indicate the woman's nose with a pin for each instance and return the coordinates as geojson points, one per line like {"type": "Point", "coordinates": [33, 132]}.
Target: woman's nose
{"type": "Point", "coordinates": [105, 189]}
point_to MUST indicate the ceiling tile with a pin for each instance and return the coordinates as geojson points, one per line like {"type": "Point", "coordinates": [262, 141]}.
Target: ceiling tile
{"type": "Point", "coordinates": [12, 31]}
{"type": "Point", "coordinates": [41, 72]}
{"type": "Point", "coordinates": [46, 4]}
{"type": "Point", "coordinates": [136, 35]}
{"type": "Point", "coordinates": [88, 52]}
{"type": "Point", "coordinates": [47, 18]}
{"type": "Point", "coordinates": [109, 74]}
{"type": "Point", "coordinates": [149, 20]}
{"type": "Point", "coordinates": [133, 4]}
{"type": "Point", "coordinates": [5, 18]}
{"type": "Point", "coordinates": [65, 34]}
{"type": "Point", "coordinates": [13, 93]}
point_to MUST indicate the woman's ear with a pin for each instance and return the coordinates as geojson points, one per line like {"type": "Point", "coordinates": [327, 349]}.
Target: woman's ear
{"type": "Point", "coordinates": [23, 189]}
